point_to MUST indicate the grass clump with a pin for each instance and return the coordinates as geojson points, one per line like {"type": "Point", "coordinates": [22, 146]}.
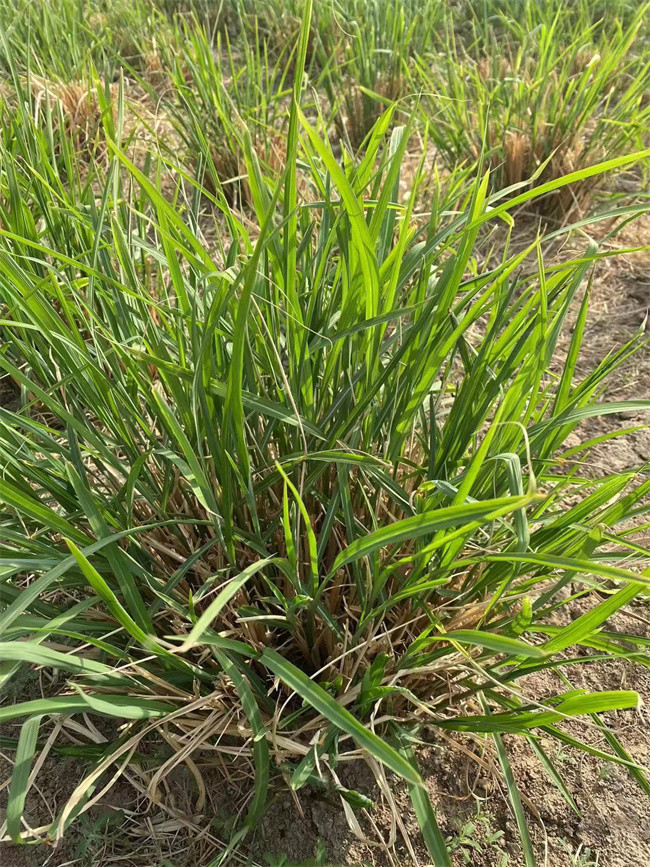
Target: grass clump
{"type": "Point", "coordinates": [219, 97]}
{"type": "Point", "coordinates": [536, 103]}
{"type": "Point", "coordinates": [304, 493]}
{"type": "Point", "coordinates": [62, 38]}
{"type": "Point", "coordinates": [377, 40]}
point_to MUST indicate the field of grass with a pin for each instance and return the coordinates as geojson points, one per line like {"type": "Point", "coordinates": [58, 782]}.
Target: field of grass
{"type": "Point", "coordinates": [303, 464]}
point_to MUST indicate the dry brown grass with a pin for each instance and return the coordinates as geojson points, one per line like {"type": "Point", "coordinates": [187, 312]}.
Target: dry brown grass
{"type": "Point", "coordinates": [74, 106]}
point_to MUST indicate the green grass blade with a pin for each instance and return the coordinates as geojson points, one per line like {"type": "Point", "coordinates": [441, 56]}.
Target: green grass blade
{"type": "Point", "coordinates": [322, 702]}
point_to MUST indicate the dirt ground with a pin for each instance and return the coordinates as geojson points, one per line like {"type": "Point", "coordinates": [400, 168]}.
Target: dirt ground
{"type": "Point", "coordinates": [611, 824]}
